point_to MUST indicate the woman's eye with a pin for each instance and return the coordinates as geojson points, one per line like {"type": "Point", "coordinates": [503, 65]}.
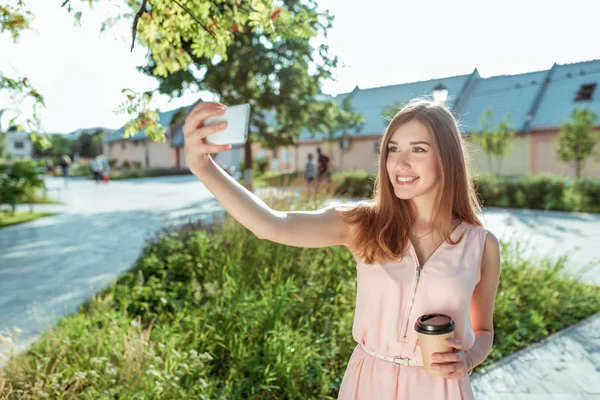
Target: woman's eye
{"type": "Point", "coordinates": [419, 150]}
{"type": "Point", "coordinates": [392, 149]}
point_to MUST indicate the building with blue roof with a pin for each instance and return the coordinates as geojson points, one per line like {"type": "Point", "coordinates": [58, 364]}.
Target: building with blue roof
{"type": "Point", "coordinates": [536, 104]}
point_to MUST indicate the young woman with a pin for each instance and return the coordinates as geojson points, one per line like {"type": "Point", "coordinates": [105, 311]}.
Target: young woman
{"type": "Point", "coordinates": [419, 248]}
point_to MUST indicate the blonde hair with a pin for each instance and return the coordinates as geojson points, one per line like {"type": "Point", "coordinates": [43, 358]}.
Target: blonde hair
{"type": "Point", "coordinates": [381, 227]}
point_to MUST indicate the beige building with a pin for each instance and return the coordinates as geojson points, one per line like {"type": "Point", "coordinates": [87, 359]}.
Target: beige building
{"type": "Point", "coordinates": [537, 103]}
{"type": "Point", "coordinates": [18, 145]}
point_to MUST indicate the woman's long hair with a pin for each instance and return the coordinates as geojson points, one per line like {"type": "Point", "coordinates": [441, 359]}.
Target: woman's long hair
{"type": "Point", "coordinates": [381, 227]}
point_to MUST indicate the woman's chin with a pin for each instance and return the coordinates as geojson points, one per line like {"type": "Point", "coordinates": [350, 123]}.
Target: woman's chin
{"type": "Point", "coordinates": [404, 194]}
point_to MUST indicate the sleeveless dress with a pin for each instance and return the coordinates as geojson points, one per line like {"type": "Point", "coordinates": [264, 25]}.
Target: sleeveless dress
{"type": "Point", "coordinates": [384, 319]}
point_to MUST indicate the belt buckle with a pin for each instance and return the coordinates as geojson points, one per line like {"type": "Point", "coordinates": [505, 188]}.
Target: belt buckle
{"type": "Point", "coordinates": [404, 361]}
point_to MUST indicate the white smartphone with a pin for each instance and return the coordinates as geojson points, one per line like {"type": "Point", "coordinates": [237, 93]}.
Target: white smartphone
{"type": "Point", "coordinates": [238, 121]}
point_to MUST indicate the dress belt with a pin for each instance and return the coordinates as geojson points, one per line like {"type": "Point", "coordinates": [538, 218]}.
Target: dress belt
{"type": "Point", "coordinates": [406, 362]}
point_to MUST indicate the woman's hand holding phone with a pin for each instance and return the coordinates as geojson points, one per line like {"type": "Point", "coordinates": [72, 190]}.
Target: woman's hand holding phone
{"type": "Point", "coordinates": [197, 149]}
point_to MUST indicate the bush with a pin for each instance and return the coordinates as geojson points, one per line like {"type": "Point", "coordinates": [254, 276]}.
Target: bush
{"type": "Point", "coordinates": [260, 165]}
{"type": "Point", "coordinates": [147, 173]}
{"type": "Point", "coordinates": [80, 170]}
{"type": "Point", "coordinates": [543, 192]}
{"type": "Point", "coordinates": [585, 195]}
{"type": "Point", "coordinates": [18, 180]}
{"type": "Point", "coordinates": [354, 184]}
{"type": "Point", "coordinates": [274, 178]}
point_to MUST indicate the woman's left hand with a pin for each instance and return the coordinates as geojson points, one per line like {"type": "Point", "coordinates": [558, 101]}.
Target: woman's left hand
{"type": "Point", "coordinates": [456, 362]}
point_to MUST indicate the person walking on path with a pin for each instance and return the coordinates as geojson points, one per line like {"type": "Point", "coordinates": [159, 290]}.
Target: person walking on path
{"type": "Point", "coordinates": [418, 245]}
{"type": "Point", "coordinates": [96, 167]}
{"type": "Point", "coordinates": [65, 162]}
{"type": "Point", "coordinates": [309, 172]}
{"type": "Point", "coordinates": [323, 170]}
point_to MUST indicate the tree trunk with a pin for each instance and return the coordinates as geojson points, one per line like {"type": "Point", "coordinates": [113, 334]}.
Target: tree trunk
{"type": "Point", "coordinates": [248, 164]}
{"type": "Point", "coordinates": [147, 151]}
{"type": "Point", "coordinates": [578, 169]}
{"type": "Point", "coordinates": [490, 165]}
{"type": "Point", "coordinates": [499, 166]}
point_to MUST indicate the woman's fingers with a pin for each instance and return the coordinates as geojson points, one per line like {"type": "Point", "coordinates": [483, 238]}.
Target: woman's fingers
{"type": "Point", "coordinates": [206, 148]}
{"type": "Point", "coordinates": [454, 343]}
{"type": "Point", "coordinates": [204, 105]}
{"type": "Point", "coordinates": [198, 135]}
{"type": "Point", "coordinates": [446, 357]}
{"type": "Point", "coordinates": [195, 120]}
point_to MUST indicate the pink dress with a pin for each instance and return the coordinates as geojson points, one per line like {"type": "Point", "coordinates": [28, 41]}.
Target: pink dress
{"type": "Point", "coordinates": [384, 324]}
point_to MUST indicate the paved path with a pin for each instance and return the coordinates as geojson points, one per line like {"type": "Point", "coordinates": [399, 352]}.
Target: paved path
{"type": "Point", "coordinates": [50, 266]}
{"type": "Point", "coordinates": [565, 366]}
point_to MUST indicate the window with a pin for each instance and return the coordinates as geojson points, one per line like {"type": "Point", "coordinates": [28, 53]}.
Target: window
{"type": "Point", "coordinates": [376, 146]}
{"type": "Point", "coordinates": [440, 93]}
{"type": "Point", "coordinates": [274, 154]}
{"type": "Point", "coordinates": [19, 145]}
{"type": "Point", "coordinates": [585, 92]}
{"type": "Point", "coordinates": [286, 155]}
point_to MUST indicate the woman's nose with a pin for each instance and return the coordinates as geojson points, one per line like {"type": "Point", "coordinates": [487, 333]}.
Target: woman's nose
{"type": "Point", "coordinates": [403, 160]}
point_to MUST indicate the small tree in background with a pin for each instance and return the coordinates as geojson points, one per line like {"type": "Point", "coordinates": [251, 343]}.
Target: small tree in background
{"type": "Point", "coordinates": [494, 142]}
{"type": "Point", "coordinates": [2, 144]}
{"type": "Point", "coordinates": [575, 141]}
{"type": "Point", "coordinates": [390, 111]}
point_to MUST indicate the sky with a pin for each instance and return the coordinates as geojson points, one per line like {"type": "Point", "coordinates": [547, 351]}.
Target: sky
{"type": "Point", "coordinates": [81, 72]}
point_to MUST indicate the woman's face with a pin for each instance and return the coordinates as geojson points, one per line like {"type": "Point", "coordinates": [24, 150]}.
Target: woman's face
{"type": "Point", "coordinates": [412, 164]}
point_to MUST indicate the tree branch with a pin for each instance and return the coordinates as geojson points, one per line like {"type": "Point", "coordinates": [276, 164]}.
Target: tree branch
{"type": "Point", "coordinates": [196, 19]}
{"type": "Point", "coordinates": [143, 9]}
{"type": "Point", "coordinates": [135, 22]}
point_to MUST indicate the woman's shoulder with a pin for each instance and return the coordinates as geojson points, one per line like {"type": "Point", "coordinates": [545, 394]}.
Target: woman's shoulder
{"type": "Point", "coordinates": [490, 240]}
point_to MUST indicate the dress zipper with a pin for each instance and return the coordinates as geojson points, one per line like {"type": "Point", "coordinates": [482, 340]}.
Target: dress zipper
{"type": "Point", "coordinates": [418, 274]}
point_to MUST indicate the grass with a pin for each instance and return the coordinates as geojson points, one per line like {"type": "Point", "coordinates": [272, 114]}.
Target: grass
{"type": "Point", "coordinates": [134, 173]}
{"type": "Point", "coordinates": [216, 313]}
{"type": "Point", "coordinates": [8, 219]}
{"type": "Point", "coordinates": [38, 200]}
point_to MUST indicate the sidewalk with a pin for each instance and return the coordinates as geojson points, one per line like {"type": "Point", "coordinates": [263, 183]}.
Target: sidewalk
{"type": "Point", "coordinates": [564, 366]}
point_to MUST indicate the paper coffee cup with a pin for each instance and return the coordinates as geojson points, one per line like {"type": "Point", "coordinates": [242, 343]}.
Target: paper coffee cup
{"type": "Point", "coordinates": [432, 331]}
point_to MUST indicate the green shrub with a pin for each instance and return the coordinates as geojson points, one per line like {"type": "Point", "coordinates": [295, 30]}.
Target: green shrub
{"type": "Point", "coordinates": [260, 165]}
{"type": "Point", "coordinates": [80, 170]}
{"type": "Point", "coordinates": [275, 178]}
{"type": "Point", "coordinates": [147, 173]}
{"type": "Point", "coordinates": [543, 192]}
{"type": "Point", "coordinates": [585, 195]}
{"type": "Point", "coordinates": [18, 180]}
{"type": "Point", "coordinates": [354, 184]}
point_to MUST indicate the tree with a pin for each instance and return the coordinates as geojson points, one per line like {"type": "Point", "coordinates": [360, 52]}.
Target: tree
{"type": "Point", "coordinates": [59, 145]}
{"type": "Point", "coordinates": [164, 26]}
{"type": "Point", "coordinates": [89, 145]}
{"type": "Point", "coordinates": [2, 144]}
{"type": "Point", "coordinates": [390, 111]}
{"type": "Point", "coordinates": [256, 51]}
{"type": "Point", "coordinates": [278, 72]}
{"type": "Point", "coordinates": [494, 142]}
{"type": "Point", "coordinates": [575, 141]}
